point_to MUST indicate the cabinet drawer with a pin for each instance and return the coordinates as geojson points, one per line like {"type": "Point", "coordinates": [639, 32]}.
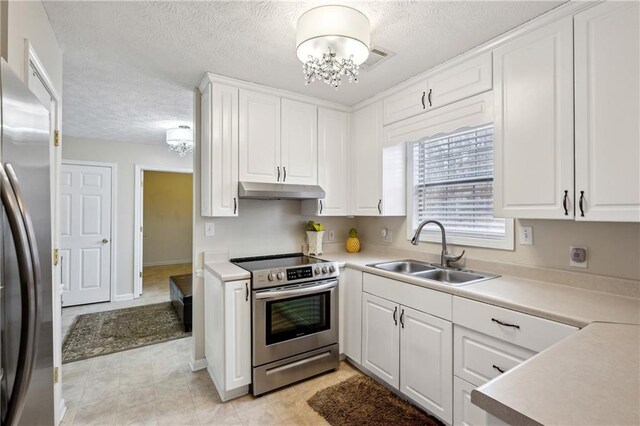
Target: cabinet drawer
{"type": "Point", "coordinates": [406, 103]}
{"type": "Point", "coordinates": [465, 413]}
{"type": "Point", "coordinates": [422, 299]}
{"type": "Point", "coordinates": [524, 330]}
{"type": "Point", "coordinates": [479, 358]}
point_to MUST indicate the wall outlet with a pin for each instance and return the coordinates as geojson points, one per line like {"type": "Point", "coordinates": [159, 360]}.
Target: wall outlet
{"type": "Point", "coordinates": [332, 234]}
{"type": "Point", "coordinates": [526, 235]}
{"type": "Point", "coordinates": [209, 229]}
{"type": "Point", "coordinates": [578, 257]}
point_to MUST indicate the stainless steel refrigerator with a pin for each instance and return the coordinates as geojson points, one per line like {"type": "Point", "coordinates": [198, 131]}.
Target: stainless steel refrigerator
{"type": "Point", "coordinates": [26, 338]}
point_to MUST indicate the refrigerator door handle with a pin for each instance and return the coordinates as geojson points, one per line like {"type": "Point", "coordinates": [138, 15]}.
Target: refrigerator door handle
{"type": "Point", "coordinates": [28, 330]}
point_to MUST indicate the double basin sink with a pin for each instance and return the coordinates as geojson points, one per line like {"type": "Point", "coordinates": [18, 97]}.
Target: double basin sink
{"type": "Point", "coordinates": [432, 272]}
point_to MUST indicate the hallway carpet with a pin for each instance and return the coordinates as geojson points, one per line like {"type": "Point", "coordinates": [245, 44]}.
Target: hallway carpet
{"type": "Point", "coordinates": [107, 332]}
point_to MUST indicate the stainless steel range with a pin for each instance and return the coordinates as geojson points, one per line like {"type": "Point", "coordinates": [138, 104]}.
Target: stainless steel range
{"type": "Point", "coordinates": [294, 318]}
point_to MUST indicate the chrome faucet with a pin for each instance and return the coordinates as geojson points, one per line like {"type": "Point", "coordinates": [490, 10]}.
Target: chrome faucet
{"type": "Point", "coordinates": [445, 257]}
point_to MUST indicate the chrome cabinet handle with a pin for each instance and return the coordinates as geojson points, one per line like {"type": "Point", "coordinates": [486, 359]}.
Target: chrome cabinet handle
{"type": "Point", "coordinates": [505, 323]}
{"type": "Point", "coordinates": [380, 206]}
{"type": "Point", "coordinates": [402, 318]}
{"type": "Point", "coordinates": [564, 203]}
{"type": "Point", "coordinates": [284, 169]}
{"type": "Point", "coordinates": [581, 203]}
{"type": "Point", "coordinates": [246, 289]}
{"type": "Point", "coordinates": [429, 97]}
{"type": "Point", "coordinates": [423, 95]}
{"type": "Point", "coordinates": [16, 214]}
{"type": "Point", "coordinates": [498, 368]}
{"type": "Point", "coordinates": [235, 205]}
{"type": "Point", "coordinates": [320, 206]}
{"type": "Point", "coordinates": [395, 315]}
{"type": "Point", "coordinates": [278, 180]}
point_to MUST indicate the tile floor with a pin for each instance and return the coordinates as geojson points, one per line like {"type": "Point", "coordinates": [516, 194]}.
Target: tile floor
{"type": "Point", "coordinates": [155, 386]}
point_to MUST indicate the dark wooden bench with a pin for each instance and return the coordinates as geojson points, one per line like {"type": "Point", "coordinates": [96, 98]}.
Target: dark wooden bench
{"type": "Point", "coordinates": [181, 298]}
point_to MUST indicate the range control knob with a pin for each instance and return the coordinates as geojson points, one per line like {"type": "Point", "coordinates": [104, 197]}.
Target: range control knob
{"type": "Point", "coordinates": [316, 271]}
{"type": "Point", "coordinates": [325, 269]}
{"type": "Point", "coordinates": [280, 275]}
{"type": "Point", "coordinates": [271, 276]}
{"type": "Point", "coordinates": [332, 269]}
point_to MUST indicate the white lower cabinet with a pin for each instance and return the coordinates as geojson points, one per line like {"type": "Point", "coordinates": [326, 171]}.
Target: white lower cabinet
{"type": "Point", "coordinates": [465, 413]}
{"type": "Point", "coordinates": [228, 335]}
{"type": "Point", "coordinates": [410, 350]}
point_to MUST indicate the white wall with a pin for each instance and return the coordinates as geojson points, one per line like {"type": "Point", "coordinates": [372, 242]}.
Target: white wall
{"type": "Point", "coordinates": [126, 156]}
{"type": "Point", "coordinates": [168, 222]}
{"type": "Point", "coordinates": [611, 246]}
{"type": "Point", "coordinates": [28, 20]}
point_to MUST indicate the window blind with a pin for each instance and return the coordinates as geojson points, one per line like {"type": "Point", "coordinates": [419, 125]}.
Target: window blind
{"type": "Point", "coordinates": [453, 183]}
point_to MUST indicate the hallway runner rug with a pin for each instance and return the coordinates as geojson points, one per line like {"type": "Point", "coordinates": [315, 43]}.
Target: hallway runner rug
{"type": "Point", "coordinates": [103, 333]}
{"type": "Point", "coordinates": [362, 401]}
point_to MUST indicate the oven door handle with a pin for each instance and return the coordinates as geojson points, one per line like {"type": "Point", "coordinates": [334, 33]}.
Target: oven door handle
{"type": "Point", "coordinates": [283, 294]}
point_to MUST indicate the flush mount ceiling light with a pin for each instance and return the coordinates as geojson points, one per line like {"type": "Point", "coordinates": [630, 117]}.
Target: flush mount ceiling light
{"type": "Point", "coordinates": [180, 140]}
{"type": "Point", "coordinates": [332, 42]}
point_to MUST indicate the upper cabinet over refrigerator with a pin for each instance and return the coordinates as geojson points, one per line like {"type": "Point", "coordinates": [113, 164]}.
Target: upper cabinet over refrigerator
{"type": "Point", "coordinates": [607, 81]}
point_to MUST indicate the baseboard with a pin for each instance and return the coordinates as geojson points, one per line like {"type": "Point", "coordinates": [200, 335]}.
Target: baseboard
{"type": "Point", "coordinates": [198, 364]}
{"type": "Point", "coordinates": [62, 410]}
{"type": "Point", "coordinates": [167, 263]}
{"type": "Point", "coordinates": [227, 395]}
{"type": "Point", "coordinates": [122, 297]}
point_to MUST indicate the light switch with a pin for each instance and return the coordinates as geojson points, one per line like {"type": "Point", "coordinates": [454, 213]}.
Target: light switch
{"type": "Point", "coordinates": [578, 257]}
{"type": "Point", "coordinates": [209, 229]}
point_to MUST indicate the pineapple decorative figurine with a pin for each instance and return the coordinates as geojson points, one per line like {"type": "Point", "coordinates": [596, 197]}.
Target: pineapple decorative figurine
{"type": "Point", "coordinates": [353, 243]}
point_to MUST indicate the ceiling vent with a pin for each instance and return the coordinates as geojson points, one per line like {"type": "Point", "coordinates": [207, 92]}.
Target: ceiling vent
{"type": "Point", "coordinates": [377, 55]}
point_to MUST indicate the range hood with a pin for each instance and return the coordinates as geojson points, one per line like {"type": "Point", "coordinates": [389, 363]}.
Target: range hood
{"type": "Point", "coordinates": [279, 191]}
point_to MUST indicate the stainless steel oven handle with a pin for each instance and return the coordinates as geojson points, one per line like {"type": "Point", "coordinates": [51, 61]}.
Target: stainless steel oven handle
{"type": "Point", "coordinates": [282, 294]}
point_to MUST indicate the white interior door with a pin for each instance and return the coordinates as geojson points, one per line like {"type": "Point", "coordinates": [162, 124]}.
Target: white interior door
{"type": "Point", "coordinates": [85, 233]}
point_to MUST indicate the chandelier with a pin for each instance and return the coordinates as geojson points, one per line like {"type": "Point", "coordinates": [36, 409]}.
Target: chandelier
{"type": "Point", "coordinates": [180, 140]}
{"type": "Point", "coordinates": [332, 42]}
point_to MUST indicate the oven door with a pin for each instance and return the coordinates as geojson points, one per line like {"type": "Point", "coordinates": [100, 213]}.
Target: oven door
{"type": "Point", "coordinates": [291, 320]}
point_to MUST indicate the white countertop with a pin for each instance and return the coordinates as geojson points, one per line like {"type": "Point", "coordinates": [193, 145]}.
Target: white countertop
{"type": "Point", "coordinates": [227, 271]}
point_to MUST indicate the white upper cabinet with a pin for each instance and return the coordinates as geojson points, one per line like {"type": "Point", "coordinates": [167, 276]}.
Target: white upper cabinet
{"type": "Point", "coordinates": [378, 173]}
{"type": "Point", "coordinates": [333, 163]}
{"type": "Point", "coordinates": [219, 150]}
{"type": "Point", "coordinates": [607, 82]}
{"type": "Point", "coordinates": [259, 137]}
{"type": "Point", "coordinates": [299, 148]}
{"type": "Point", "coordinates": [451, 84]}
{"type": "Point", "coordinates": [533, 124]}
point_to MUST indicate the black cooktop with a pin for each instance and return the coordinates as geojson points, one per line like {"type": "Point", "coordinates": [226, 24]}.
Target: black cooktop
{"type": "Point", "coordinates": [275, 261]}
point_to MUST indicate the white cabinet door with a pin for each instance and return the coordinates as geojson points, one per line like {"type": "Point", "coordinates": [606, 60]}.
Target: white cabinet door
{"type": "Point", "coordinates": [333, 162]}
{"type": "Point", "coordinates": [465, 413]}
{"type": "Point", "coordinates": [352, 325]}
{"type": "Point", "coordinates": [460, 81]}
{"type": "Point", "coordinates": [299, 151]}
{"type": "Point", "coordinates": [381, 338]}
{"type": "Point", "coordinates": [533, 124]}
{"type": "Point", "coordinates": [259, 137]}
{"type": "Point", "coordinates": [406, 103]}
{"type": "Point", "coordinates": [426, 361]}
{"type": "Point", "coordinates": [607, 79]}
{"type": "Point", "coordinates": [237, 331]}
{"type": "Point", "coordinates": [219, 151]}
{"type": "Point", "coordinates": [366, 161]}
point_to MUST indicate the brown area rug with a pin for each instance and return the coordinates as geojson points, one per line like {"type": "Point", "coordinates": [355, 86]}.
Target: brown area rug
{"type": "Point", "coordinates": [362, 401]}
{"type": "Point", "coordinates": [102, 333]}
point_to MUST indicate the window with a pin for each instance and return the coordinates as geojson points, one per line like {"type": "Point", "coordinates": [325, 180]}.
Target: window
{"type": "Point", "coordinates": [452, 182]}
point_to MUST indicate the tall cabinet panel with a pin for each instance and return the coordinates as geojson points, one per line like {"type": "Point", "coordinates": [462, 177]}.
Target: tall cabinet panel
{"type": "Point", "coordinates": [259, 137]}
{"type": "Point", "coordinates": [219, 151]}
{"type": "Point", "coordinates": [367, 161]}
{"type": "Point", "coordinates": [533, 125]}
{"type": "Point", "coordinates": [299, 143]}
{"type": "Point", "coordinates": [607, 80]}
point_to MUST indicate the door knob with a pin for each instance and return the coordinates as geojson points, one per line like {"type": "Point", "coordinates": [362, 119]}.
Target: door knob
{"type": "Point", "coordinates": [105, 241]}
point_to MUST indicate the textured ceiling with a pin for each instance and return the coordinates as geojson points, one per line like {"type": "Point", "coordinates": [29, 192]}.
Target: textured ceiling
{"type": "Point", "coordinates": [130, 67]}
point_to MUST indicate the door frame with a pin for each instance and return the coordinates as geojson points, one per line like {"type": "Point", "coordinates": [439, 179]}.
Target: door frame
{"type": "Point", "coordinates": [114, 223]}
{"type": "Point", "coordinates": [138, 219]}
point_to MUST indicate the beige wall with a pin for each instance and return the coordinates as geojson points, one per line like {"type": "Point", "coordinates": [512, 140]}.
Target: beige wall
{"type": "Point", "coordinates": [28, 20]}
{"type": "Point", "coordinates": [126, 156]}
{"type": "Point", "coordinates": [167, 222]}
{"type": "Point", "coordinates": [613, 248]}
